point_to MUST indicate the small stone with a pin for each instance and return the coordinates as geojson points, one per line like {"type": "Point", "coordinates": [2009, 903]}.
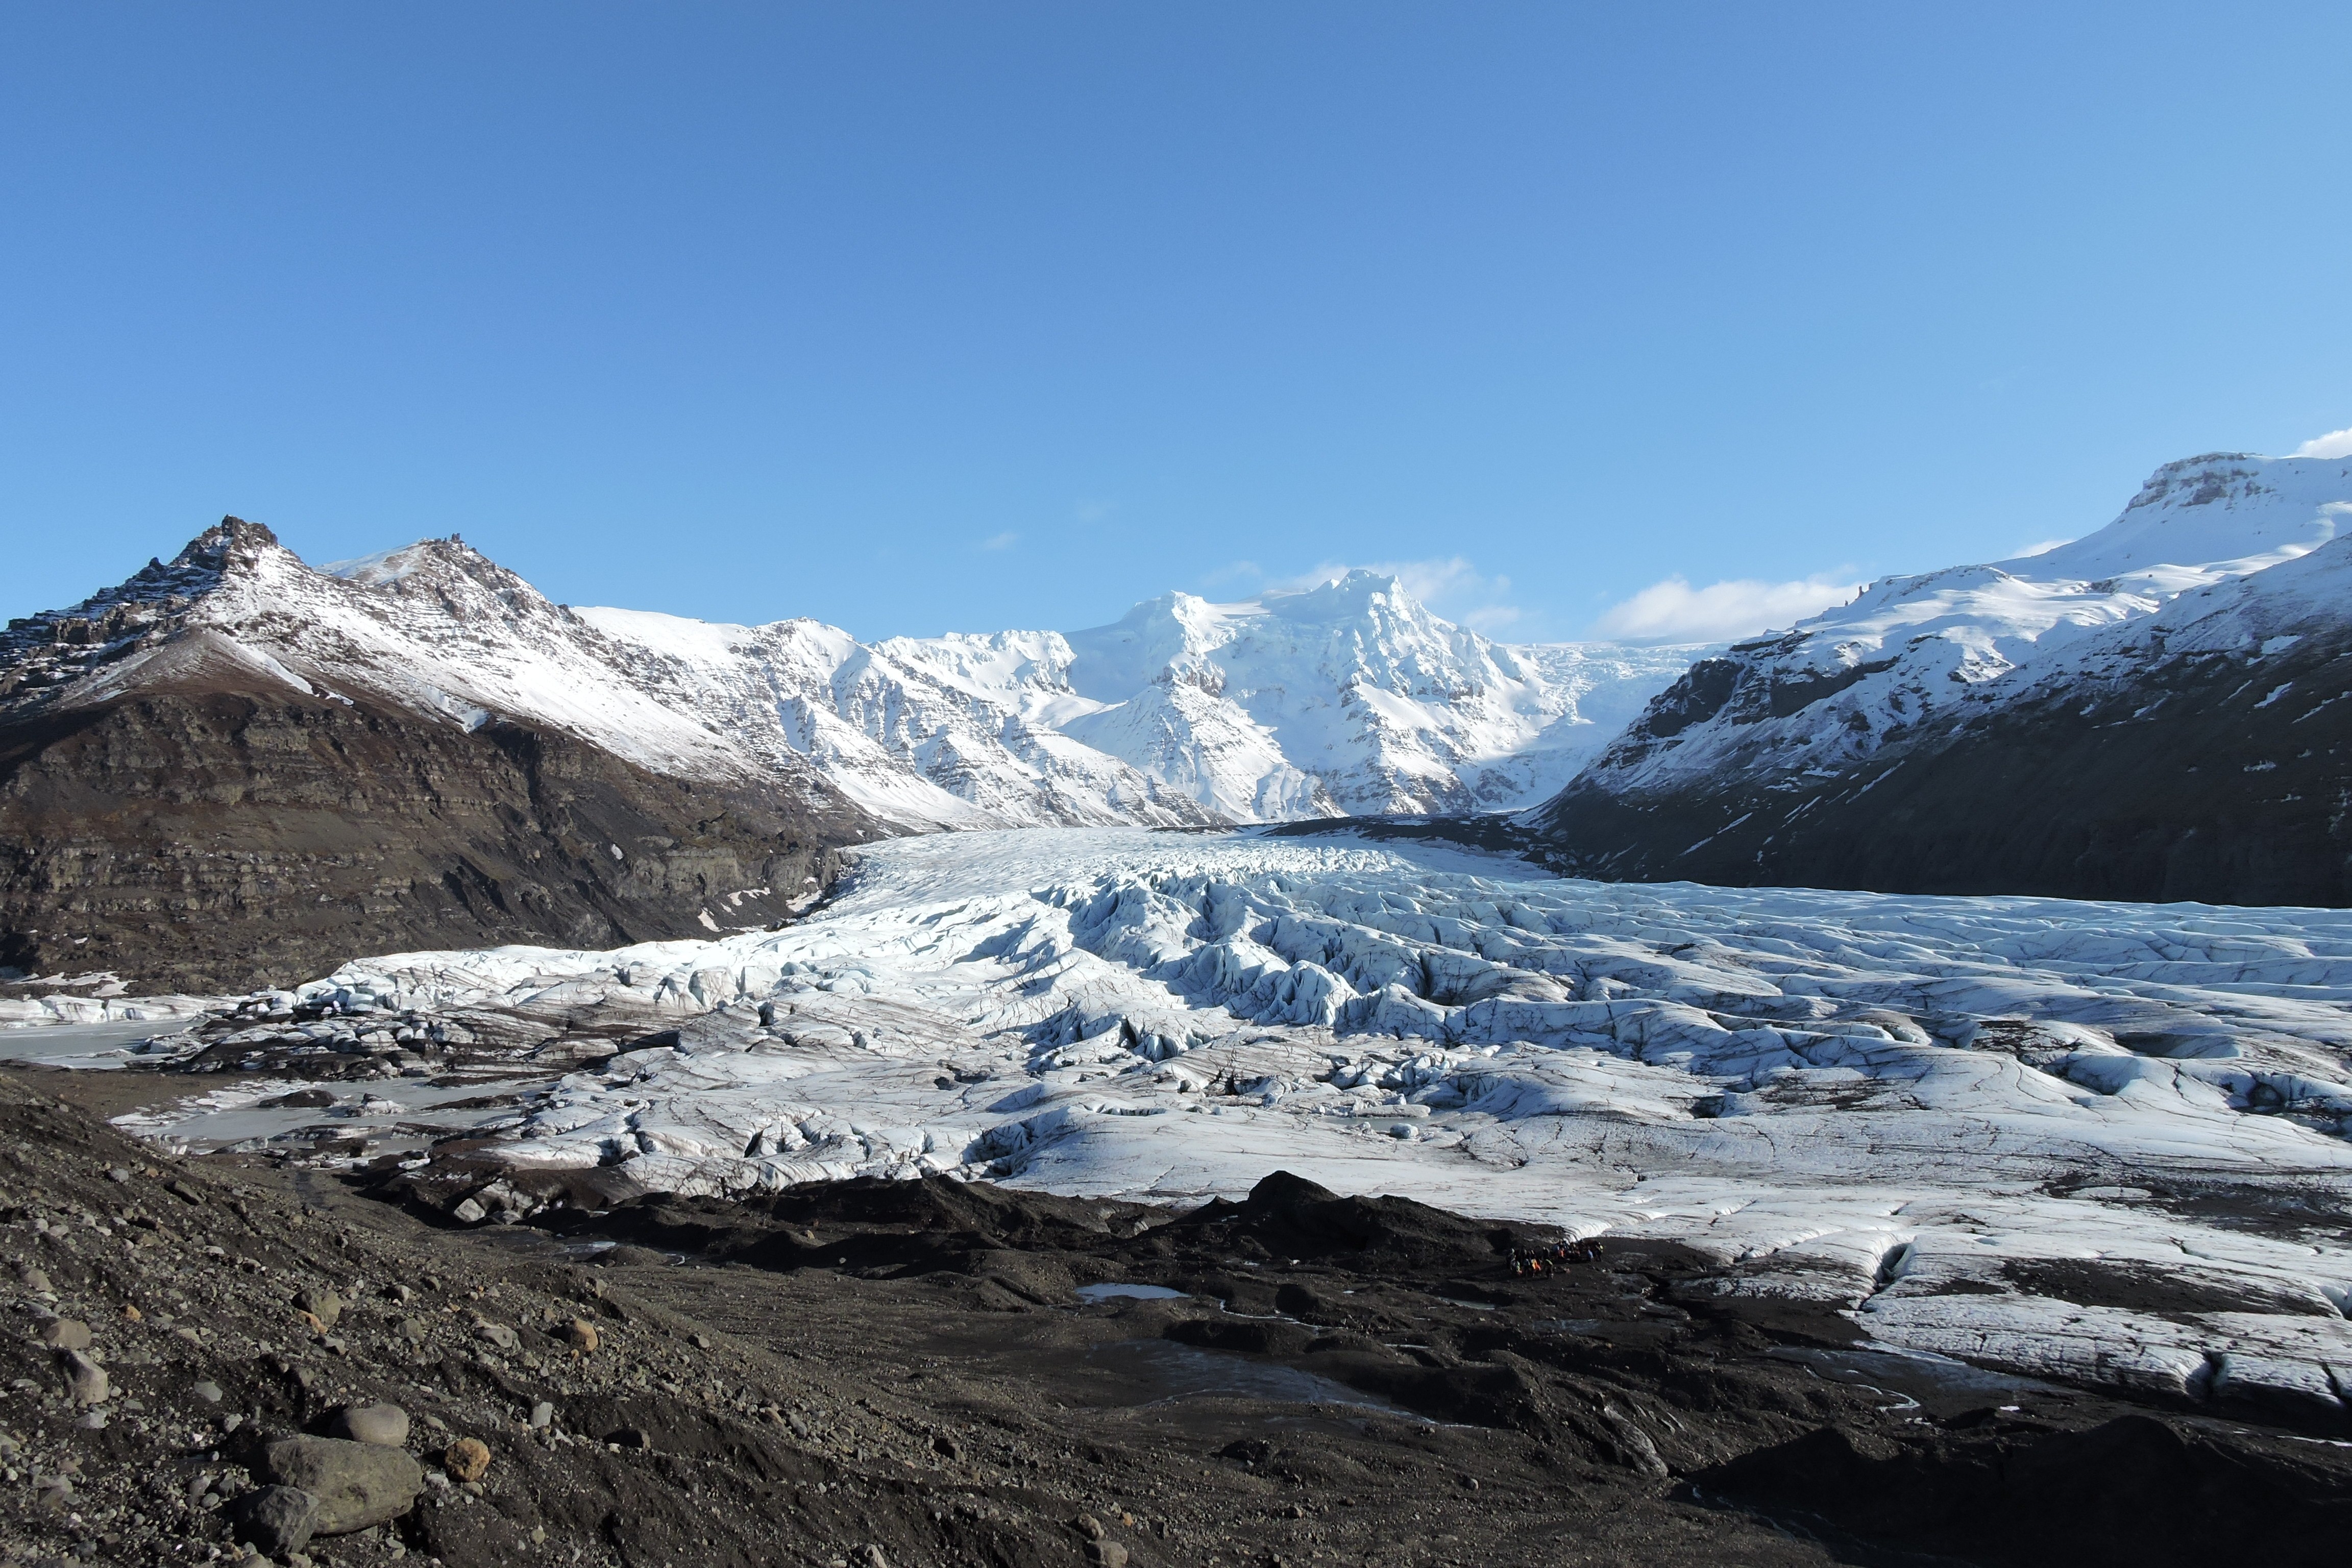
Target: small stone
{"type": "Point", "coordinates": [497, 1335]}
{"type": "Point", "coordinates": [581, 1334]}
{"type": "Point", "coordinates": [322, 1304]}
{"type": "Point", "coordinates": [119, 1174]}
{"type": "Point", "coordinates": [66, 1334]}
{"type": "Point", "coordinates": [35, 1280]}
{"type": "Point", "coordinates": [133, 1313]}
{"type": "Point", "coordinates": [208, 1390]}
{"type": "Point", "coordinates": [357, 1484]}
{"type": "Point", "coordinates": [1108, 1553]}
{"type": "Point", "coordinates": [542, 1415]}
{"type": "Point", "coordinates": [1091, 1527]}
{"type": "Point", "coordinates": [870, 1557]}
{"type": "Point", "coordinates": [470, 1212]}
{"type": "Point", "coordinates": [86, 1379]}
{"type": "Point", "coordinates": [232, 1421]}
{"type": "Point", "coordinates": [415, 1329]}
{"type": "Point", "coordinates": [468, 1459]}
{"type": "Point", "coordinates": [386, 1426]}
{"type": "Point", "coordinates": [276, 1521]}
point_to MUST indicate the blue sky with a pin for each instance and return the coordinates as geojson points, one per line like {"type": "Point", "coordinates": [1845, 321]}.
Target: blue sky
{"type": "Point", "coordinates": [919, 318]}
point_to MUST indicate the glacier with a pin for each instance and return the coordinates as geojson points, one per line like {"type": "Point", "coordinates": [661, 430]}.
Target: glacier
{"type": "Point", "coordinates": [1909, 1108]}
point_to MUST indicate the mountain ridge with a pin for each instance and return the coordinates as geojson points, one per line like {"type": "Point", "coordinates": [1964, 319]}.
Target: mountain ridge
{"type": "Point", "coordinates": [2050, 725]}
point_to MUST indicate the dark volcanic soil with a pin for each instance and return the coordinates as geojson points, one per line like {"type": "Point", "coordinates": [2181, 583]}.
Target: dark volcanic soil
{"type": "Point", "coordinates": [909, 1374]}
{"type": "Point", "coordinates": [225, 840]}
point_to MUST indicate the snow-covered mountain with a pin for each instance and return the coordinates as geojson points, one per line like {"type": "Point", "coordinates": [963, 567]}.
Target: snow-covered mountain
{"type": "Point", "coordinates": [1835, 688]}
{"type": "Point", "coordinates": [1974, 705]}
{"type": "Point", "coordinates": [1348, 698]}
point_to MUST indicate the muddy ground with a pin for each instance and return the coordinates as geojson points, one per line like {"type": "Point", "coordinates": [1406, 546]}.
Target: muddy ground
{"type": "Point", "coordinates": [917, 1374]}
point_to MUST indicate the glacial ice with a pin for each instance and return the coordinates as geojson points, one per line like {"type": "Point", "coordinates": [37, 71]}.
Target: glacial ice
{"type": "Point", "coordinates": [1909, 1108]}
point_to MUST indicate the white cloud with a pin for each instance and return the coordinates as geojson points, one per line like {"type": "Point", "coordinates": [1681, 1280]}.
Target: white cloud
{"type": "Point", "coordinates": [1674, 611]}
{"type": "Point", "coordinates": [1004, 540]}
{"type": "Point", "coordinates": [2334, 443]}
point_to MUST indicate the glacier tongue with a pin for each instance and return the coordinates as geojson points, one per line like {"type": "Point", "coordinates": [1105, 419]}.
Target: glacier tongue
{"type": "Point", "coordinates": [1912, 1108]}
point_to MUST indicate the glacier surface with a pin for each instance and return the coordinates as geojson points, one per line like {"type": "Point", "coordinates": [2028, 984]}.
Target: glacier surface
{"type": "Point", "coordinates": [1920, 1111]}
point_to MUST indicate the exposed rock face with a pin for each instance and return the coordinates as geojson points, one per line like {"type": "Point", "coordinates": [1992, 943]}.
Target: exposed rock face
{"type": "Point", "coordinates": [180, 805]}
{"type": "Point", "coordinates": [2160, 711]}
{"type": "Point", "coordinates": [230, 839]}
{"type": "Point", "coordinates": [2216, 776]}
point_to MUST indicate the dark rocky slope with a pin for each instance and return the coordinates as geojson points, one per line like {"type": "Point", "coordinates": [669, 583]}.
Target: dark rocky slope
{"type": "Point", "coordinates": [2189, 778]}
{"type": "Point", "coordinates": [897, 1375]}
{"type": "Point", "coordinates": [217, 840]}
{"type": "Point", "coordinates": [232, 771]}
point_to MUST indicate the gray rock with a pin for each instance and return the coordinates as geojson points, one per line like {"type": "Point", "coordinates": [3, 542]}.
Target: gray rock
{"type": "Point", "coordinates": [498, 1334]}
{"type": "Point", "coordinates": [275, 1520]}
{"type": "Point", "coordinates": [66, 1334]}
{"type": "Point", "coordinates": [542, 1415]}
{"type": "Point", "coordinates": [321, 1304]}
{"type": "Point", "coordinates": [470, 1212]}
{"type": "Point", "coordinates": [1108, 1553]}
{"type": "Point", "coordinates": [85, 1378]}
{"type": "Point", "coordinates": [119, 1174]}
{"type": "Point", "coordinates": [356, 1484]}
{"type": "Point", "coordinates": [207, 1391]}
{"type": "Point", "coordinates": [386, 1425]}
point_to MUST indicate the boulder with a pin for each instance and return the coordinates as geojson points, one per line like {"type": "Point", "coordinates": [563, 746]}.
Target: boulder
{"type": "Point", "coordinates": [356, 1484]}
{"type": "Point", "coordinates": [386, 1426]}
{"type": "Point", "coordinates": [276, 1522]}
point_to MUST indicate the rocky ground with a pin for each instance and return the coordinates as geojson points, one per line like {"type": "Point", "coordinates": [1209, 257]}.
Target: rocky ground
{"type": "Point", "coordinates": [211, 1354]}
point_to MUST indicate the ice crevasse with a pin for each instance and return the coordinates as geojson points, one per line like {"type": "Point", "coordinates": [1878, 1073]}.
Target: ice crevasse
{"type": "Point", "coordinates": [1895, 1105]}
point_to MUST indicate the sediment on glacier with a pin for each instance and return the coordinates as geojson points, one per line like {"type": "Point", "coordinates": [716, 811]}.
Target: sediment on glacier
{"type": "Point", "coordinates": [923, 1371]}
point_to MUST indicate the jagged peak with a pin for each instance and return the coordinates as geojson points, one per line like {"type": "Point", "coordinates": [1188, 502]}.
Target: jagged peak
{"type": "Point", "coordinates": [230, 543]}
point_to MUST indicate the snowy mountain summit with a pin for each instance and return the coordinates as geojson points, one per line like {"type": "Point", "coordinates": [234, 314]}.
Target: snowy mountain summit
{"type": "Point", "coordinates": [1348, 698]}
{"type": "Point", "coordinates": [2156, 711]}
{"type": "Point", "coordinates": [1835, 688]}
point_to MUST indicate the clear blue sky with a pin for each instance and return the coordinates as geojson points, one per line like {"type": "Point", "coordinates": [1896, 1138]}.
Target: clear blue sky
{"type": "Point", "coordinates": [929, 317]}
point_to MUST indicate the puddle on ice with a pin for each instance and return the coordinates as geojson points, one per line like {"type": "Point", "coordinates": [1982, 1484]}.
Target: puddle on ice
{"type": "Point", "coordinates": [1094, 1293]}
{"type": "Point", "coordinates": [84, 1045]}
{"type": "Point", "coordinates": [1163, 1371]}
{"type": "Point", "coordinates": [1911, 1375]}
{"type": "Point", "coordinates": [386, 1114]}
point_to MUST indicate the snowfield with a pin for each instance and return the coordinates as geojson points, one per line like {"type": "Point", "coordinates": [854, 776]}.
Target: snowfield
{"type": "Point", "coordinates": [2105, 1141]}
